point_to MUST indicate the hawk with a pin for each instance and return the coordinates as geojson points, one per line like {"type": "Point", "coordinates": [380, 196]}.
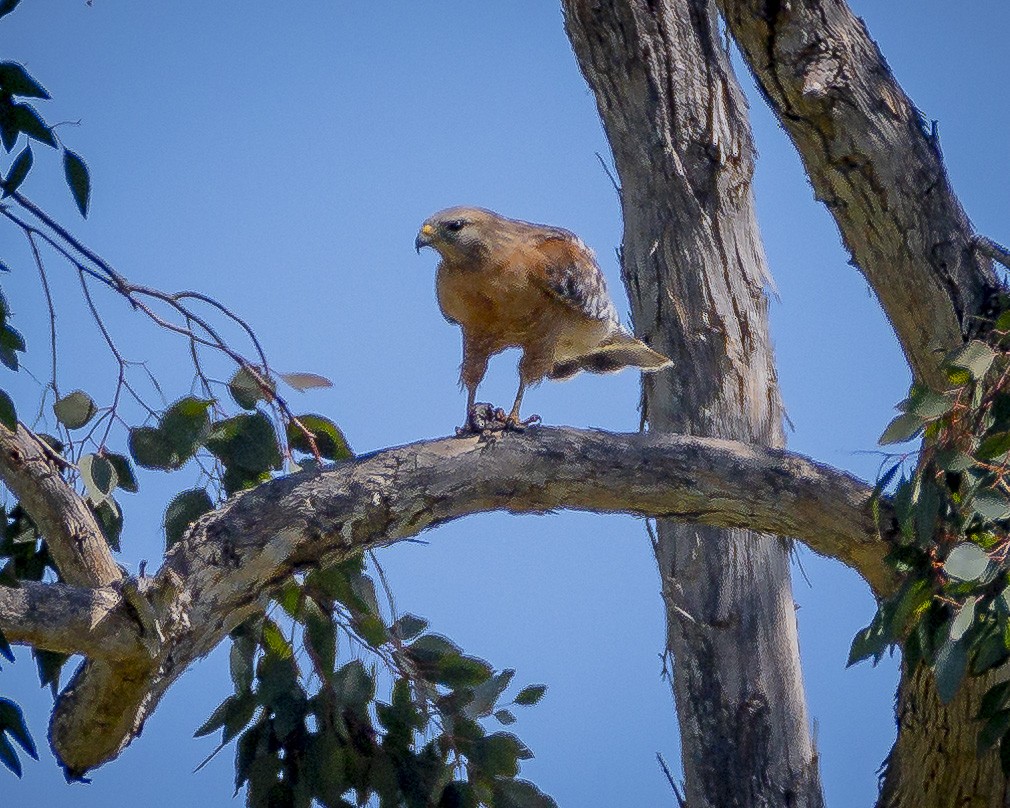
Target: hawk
{"type": "Point", "coordinates": [508, 283]}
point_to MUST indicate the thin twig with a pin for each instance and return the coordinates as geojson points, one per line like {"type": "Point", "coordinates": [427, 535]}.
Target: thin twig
{"type": "Point", "coordinates": [235, 318]}
{"type": "Point", "coordinates": [610, 174]}
{"type": "Point", "coordinates": [681, 799]}
{"type": "Point", "coordinates": [134, 294]}
{"type": "Point", "coordinates": [49, 305]}
{"type": "Point", "coordinates": [385, 585]}
{"type": "Point", "coordinates": [121, 380]}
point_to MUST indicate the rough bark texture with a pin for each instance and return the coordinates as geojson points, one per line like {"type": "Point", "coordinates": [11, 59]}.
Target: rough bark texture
{"type": "Point", "coordinates": [75, 541]}
{"type": "Point", "coordinates": [69, 619]}
{"type": "Point", "coordinates": [695, 271]}
{"type": "Point", "coordinates": [873, 162]}
{"type": "Point", "coordinates": [880, 173]}
{"type": "Point", "coordinates": [232, 559]}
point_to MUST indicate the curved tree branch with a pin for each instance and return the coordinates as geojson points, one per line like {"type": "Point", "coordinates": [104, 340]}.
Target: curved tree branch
{"type": "Point", "coordinates": [231, 559]}
{"type": "Point", "coordinates": [875, 166]}
{"type": "Point", "coordinates": [75, 541]}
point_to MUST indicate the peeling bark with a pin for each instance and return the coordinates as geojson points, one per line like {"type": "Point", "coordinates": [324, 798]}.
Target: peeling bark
{"type": "Point", "coordinates": [231, 560]}
{"type": "Point", "coordinates": [695, 270]}
{"type": "Point", "coordinates": [70, 620]}
{"type": "Point", "coordinates": [880, 173]}
{"type": "Point", "coordinates": [874, 164]}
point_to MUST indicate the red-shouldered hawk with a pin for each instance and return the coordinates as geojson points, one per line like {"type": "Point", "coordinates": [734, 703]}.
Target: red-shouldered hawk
{"type": "Point", "coordinates": [509, 283]}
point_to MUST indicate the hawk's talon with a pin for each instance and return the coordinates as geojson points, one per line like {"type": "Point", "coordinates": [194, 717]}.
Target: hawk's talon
{"type": "Point", "coordinates": [486, 418]}
{"type": "Point", "coordinates": [515, 425]}
{"type": "Point", "coordinates": [480, 418]}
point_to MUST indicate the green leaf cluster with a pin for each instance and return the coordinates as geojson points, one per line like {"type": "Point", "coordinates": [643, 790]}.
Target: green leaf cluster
{"type": "Point", "coordinates": [20, 118]}
{"type": "Point", "coordinates": [952, 532]}
{"type": "Point", "coordinates": [321, 733]}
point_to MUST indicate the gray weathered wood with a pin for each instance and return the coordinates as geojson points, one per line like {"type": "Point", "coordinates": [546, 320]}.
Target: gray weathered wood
{"type": "Point", "coordinates": [70, 619]}
{"type": "Point", "coordinates": [75, 541]}
{"type": "Point", "coordinates": [233, 558]}
{"type": "Point", "coordinates": [873, 161]}
{"type": "Point", "coordinates": [695, 270]}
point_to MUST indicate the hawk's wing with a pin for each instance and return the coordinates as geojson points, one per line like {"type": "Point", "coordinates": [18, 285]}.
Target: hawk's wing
{"type": "Point", "coordinates": [572, 275]}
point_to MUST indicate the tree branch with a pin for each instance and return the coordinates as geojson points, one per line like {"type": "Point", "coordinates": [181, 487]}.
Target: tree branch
{"type": "Point", "coordinates": [230, 560]}
{"type": "Point", "coordinates": [70, 620]}
{"type": "Point", "coordinates": [872, 161]}
{"type": "Point", "coordinates": [74, 539]}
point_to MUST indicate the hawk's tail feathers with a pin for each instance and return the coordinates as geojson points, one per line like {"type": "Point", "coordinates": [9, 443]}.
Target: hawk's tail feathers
{"type": "Point", "coordinates": [620, 350]}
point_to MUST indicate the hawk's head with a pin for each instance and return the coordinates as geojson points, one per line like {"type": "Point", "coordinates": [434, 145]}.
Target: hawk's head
{"type": "Point", "coordinates": [460, 232]}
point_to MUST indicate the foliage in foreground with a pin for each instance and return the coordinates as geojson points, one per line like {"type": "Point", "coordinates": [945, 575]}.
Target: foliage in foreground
{"type": "Point", "coordinates": [952, 548]}
{"type": "Point", "coordinates": [305, 716]}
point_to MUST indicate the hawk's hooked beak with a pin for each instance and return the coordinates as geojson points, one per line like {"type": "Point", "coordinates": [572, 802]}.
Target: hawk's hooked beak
{"type": "Point", "coordinates": [424, 237]}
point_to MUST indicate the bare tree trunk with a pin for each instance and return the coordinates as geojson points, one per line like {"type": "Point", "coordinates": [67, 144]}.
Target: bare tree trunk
{"type": "Point", "coordinates": [695, 271]}
{"type": "Point", "coordinates": [876, 166]}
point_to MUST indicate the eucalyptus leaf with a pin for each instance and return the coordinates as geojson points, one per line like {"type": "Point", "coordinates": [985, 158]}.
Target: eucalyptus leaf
{"type": "Point", "coordinates": [9, 131]}
{"type": "Point", "coordinates": [949, 668]}
{"type": "Point", "coordinates": [320, 635]}
{"type": "Point", "coordinates": [995, 698]}
{"type": "Point", "coordinates": [953, 460]}
{"type": "Point", "coordinates": [486, 695]}
{"type": "Point", "coordinates": [330, 441]}
{"type": "Point", "coordinates": [966, 562]}
{"type": "Point", "coordinates": [245, 390]}
{"type": "Point", "coordinates": [274, 641]}
{"type": "Point", "coordinates": [8, 756]}
{"type": "Point", "coordinates": [183, 510]}
{"type": "Point", "coordinates": [14, 79]}
{"type": "Point", "coordinates": [870, 642]}
{"type": "Point", "coordinates": [927, 404]}
{"type": "Point", "coordinates": [993, 446]}
{"type": "Point", "coordinates": [11, 342]}
{"type": "Point", "coordinates": [184, 427]}
{"type": "Point", "coordinates": [75, 409]}
{"type": "Point", "coordinates": [8, 415]}
{"type": "Point", "coordinates": [903, 427]}
{"type": "Point", "coordinates": [964, 619]}
{"type": "Point", "coordinates": [7, 6]}
{"type": "Point", "coordinates": [975, 357]}
{"type": "Point", "coordinates": [99, 477]}
{"type": "Point", "coordinates": [246, 441]}
{"type": "Point", "coordinates": [78, 178]}
{"type": "Point", "coordinates": [531, 694]}
{"type": "Point", "coordinates": [12, 720]}
{"type": "Point", "coordinates": [150, 449]}
{"type": "Point", "coordinates": [19, 170]}
{"type": "Point", "coordinates": [991, 505]}
{"type": "Point", "coordinates": [125, 477]}
{"type": "Point", "coordinates": [26, 119]}
{"type": "Point", "coordinates": [305, 381]}
{"type": "Point", "coordinates": [110, 521]}
{"type": "Point", "coordinates": [240, 662]}
{"type": "Point", "coordinates": [49, 664]}
{"type": "Point", "coordinates": [514, 793]}
{"type": "Point", "coordinates": [992, 730]}
{"type": "Point", "coordinates": [408, 626]}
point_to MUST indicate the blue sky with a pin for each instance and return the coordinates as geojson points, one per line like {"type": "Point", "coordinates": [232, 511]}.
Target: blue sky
{"type": "Point", "coordinates": [281, 158]}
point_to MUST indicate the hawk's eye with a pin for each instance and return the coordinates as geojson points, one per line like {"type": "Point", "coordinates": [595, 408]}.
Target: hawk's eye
{"type": "Point", "coordinates": [455, 225]}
